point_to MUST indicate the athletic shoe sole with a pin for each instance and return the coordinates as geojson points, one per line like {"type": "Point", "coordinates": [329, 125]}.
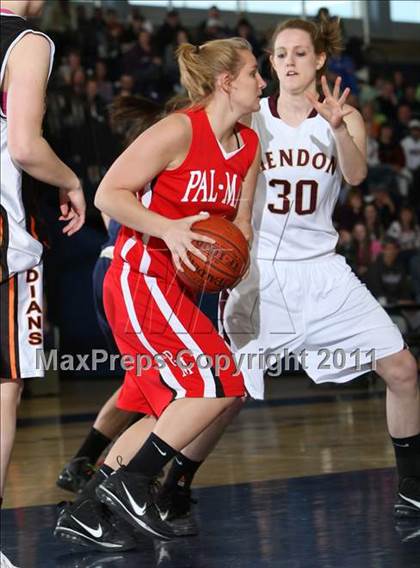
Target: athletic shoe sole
{"type": "Point", "coordinates": [70, 535]}
{"type": "Point", "coordinates": [67, 486]}
{"type": "Point", "coordinates": [115, 504]}
{"type": "Point", "coordinates": [404, 509]}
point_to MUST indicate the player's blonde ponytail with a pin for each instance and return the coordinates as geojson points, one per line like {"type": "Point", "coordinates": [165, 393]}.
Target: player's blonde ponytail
{"type": "Point", "coordinates": [200, 65]}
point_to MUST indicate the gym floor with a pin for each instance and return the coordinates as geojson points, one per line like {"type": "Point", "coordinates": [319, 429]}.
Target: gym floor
{"type": "Point", "coordinates": [302, 480]}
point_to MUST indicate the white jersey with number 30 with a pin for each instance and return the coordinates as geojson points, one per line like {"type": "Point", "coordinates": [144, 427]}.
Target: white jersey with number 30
{"type": "Point", "coordinates": [297, 188]}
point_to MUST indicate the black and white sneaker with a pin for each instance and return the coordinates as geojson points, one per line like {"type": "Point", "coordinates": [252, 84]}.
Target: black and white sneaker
{"type": "Point", "coordinates": [408, 503]}
{"type": "Point", "coordinates": [5, 562]}
{"type": "Point", "coordinates": [132, 496]}
{"type": "Point", "coordinates": [178, 501]}
{"type": "Point", "coordinates": [89, 523]}
{"type": "Point", "coordinates": [75, 475]}
{"type": "Point", "coordinates": [408, 529]}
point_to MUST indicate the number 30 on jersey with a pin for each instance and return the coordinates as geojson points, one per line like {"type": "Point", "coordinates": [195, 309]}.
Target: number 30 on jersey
{"type": "Point", "coordinates": [305, 201]}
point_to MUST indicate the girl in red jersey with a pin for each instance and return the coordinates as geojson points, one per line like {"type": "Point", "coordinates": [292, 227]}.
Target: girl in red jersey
{"type": "Point", "coordinates": [195, 160]}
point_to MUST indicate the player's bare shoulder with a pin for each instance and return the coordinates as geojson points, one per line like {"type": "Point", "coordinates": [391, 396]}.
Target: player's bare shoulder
{"type": "Point", "coordinates": [176, 130]}
{"type": "Point", "coordinates": [32, 46]}
{"type": "Point", "coordinates": [28, 50]}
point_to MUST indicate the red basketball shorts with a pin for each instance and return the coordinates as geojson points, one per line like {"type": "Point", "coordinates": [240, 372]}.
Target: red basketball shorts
{"type": "Point", "coordinates": [172, 348]}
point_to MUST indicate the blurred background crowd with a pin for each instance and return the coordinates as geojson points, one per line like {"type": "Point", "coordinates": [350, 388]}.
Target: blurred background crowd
{"type": "Point", "coordinates": [102, 55]}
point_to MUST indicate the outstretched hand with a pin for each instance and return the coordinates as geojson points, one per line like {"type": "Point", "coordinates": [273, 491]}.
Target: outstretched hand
{"type": "Point", "coordinates": [332, 107]}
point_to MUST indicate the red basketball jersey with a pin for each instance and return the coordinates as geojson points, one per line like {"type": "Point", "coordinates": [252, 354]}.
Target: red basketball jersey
{"type": "Point", "coordinates": [208, 180]}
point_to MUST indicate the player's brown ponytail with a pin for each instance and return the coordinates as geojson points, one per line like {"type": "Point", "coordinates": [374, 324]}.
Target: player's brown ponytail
{"type": "Point", "coordinates": [131, 115]}
{"type": "Point", "coordinates": [200, 65]}
{"type": "Point", "coordinates": [329, 33]}
{"type": "Point", "coordinates": [325, 35]}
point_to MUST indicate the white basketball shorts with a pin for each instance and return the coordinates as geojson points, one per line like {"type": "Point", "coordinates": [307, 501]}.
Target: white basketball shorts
{"type": "Point", "coordinates": [317, 312]}
{"type": "Point", "coordinates": [21, 337]}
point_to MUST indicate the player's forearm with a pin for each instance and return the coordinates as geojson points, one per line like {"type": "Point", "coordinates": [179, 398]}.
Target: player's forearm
{"type": "Point", "coordinates": [351, 160]}
{"type": "Point", "coordinates": [37, 158]}
{"type": "Point", "coordinates": [246, 201]}
{"type": "Point", "coordinates": [123, 206]}
{"type": "Point", "coordinates": [244, 211]}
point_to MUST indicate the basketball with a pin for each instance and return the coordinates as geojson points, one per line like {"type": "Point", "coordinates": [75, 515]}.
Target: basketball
{"type": "Point", "coordinates": [227, 257]}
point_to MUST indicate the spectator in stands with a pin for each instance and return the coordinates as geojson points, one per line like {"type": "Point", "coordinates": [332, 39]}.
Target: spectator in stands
{"type": "Point", "coordinates": [368, 92]}
{"type": "Point", "coordinates": [384, 205]}
{"type": "Point", "coordinates": [78, 82]}
{"type": "Point", "coordinates": [372, 123]}
{"type": "Point", "coordinates": [145, 65]}
{"type": "Point", "coordinates": [372, 152]}
{"type": "Point", "coordinates": [373, 223]}
{"type": "Point", "coordinates": [343, 66]}
{"type": "Point", "coordinates": [406, 231]}
{"type": "Point", "coordinates": [212, 27]}
{"type": "Point", "coordinates": [74, 117]}
{"type": "Point", "coordinates": [170, 63]}
{"type": "Point", "coordinates": [97, 28]}
{"type": "Point", "coordinates": [365, 249]}
{"type": "Point", "coordinates": [60, 18]}
{"type": "Point", "coordinates": [411, 98]}
{"type": "Point", "coordinates": [167, 33]}
{"type": "Point", "coordinates": [82, 18]}
{"type": "Point", "coordinates": [214, 30]}
{"type": "Point", "coordinates": [390, 151]}
{"type": "Point", "coordinates": [125, 86]}
{"type": "Point", "coordinates": [373, 126]}
{"type": "Point", "coordinates": [392, 155]}
{"type": "Point", "coordinates": [99, 145]}
{"type": "Point", "coordinates": [387, 277]}
{"type": "Point", "coordinates": [387, 100]}
{"type": "Point", "coordinates": [112, 51]}
{"type": "Point", "coordinates": [112, 20]}
{"type": "Point", "coordinates": [136, 23]}
{"type": "Point", "coordinates": [351, 212]}
{"type": "Point", "coordinates": [68, 67]}
{"type": "Point", "coordinates": [245, 29]}
{"type": "Point", "coordinates": [404, 117]}
{"type": "Point", "coordinates": [83, 37]}
{"type": "Point", "coordinates": [104, 87]}
{"type": "Point", "coordinates": [347, 248]}
{"type": "Point", "coordinates": [399, 84]}
{"type": "Point", "coordinates": [411, 146]}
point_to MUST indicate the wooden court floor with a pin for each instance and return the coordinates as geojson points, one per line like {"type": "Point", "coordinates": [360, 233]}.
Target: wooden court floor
{"type": "Point", "coordinates": [303, 480]}
{"type": "Point", "coordinates": [299, 431]}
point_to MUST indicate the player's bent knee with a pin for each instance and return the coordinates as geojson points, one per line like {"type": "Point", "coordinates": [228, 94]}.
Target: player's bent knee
{"type": "Point", "coordinates": [233, 409]}
{"type": "Point", "coordinates": [11, 392]}
{"type": "Point", "coordinates": [226, 403]}
{"type": "Point", "coordinates": [400, 373]}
